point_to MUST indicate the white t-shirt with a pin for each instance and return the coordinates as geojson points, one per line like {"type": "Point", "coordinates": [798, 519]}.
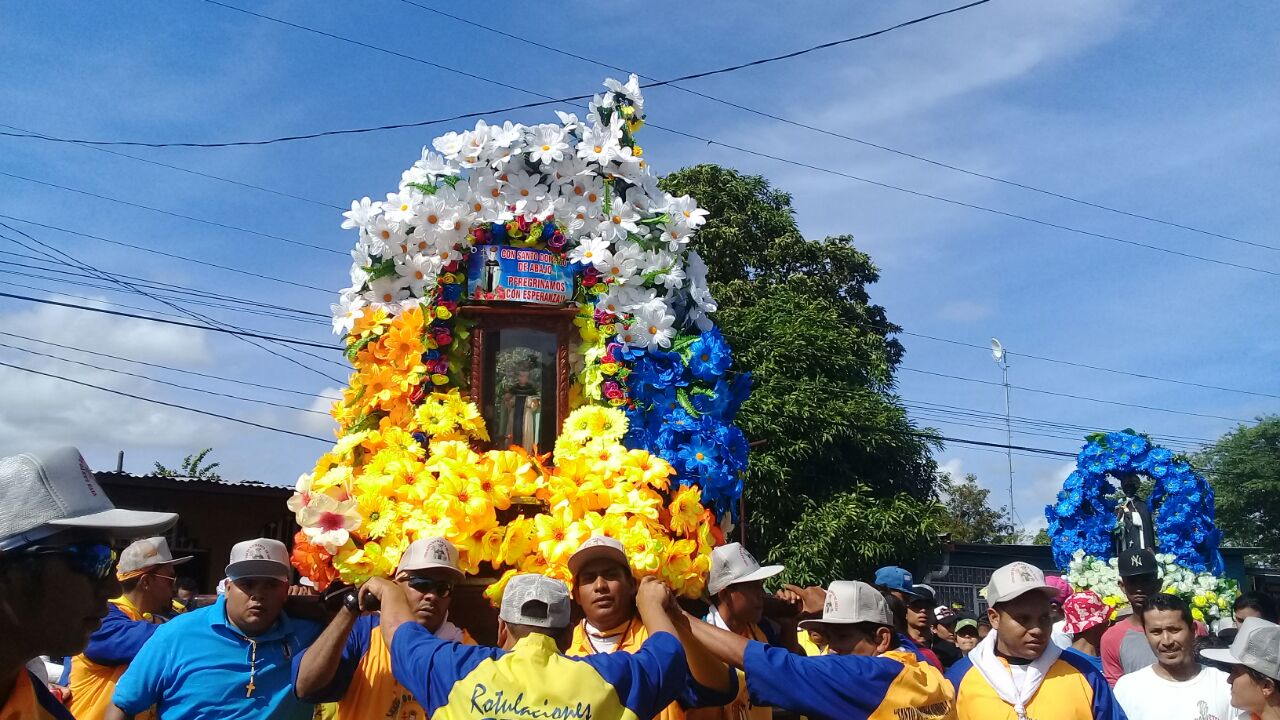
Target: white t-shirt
{"type": "Point", "coordinates": [1147, 696]}
{"type": "Point", "coordinates": [1060, 637]}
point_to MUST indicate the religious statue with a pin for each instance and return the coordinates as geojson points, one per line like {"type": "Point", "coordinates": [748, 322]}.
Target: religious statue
{"type": "Point", "coordinates": [520, 412]}
{"type": "Point", "coordinates": [1134, 529]}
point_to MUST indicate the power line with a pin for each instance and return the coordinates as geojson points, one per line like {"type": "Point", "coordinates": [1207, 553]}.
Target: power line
{"type": "Point", "coordinates": [161, 382]}
{"type": "Point", "coordinates": [153, 251]}
{"type": "Point", "coordinates": [182, 297]}
{"type": "Point", "coordinates": [1071, 396]}
{"type": "Point", "coordinates": [187, 170]}
{"type": "Point", "coordinates": [1072, 363]}
{"type": "Point", "coordinates": [170, 213]}
{"type": "Point", "coordinates": [187, 408]}
{"type": "Point", "coordinates": [190, 313]}
{"type": "Point", "coordinates": [236, 381]}
{"type": "Point", "coordinates": [465, 116]}
{"type": "Point", "coordinates": [709, 141]}
{"type": "Point", "coordinates": [210, 328]}
{"type": "Point", "coordinates": [842, 136]}
{"type": "Point", "coordinates": [960, 203]}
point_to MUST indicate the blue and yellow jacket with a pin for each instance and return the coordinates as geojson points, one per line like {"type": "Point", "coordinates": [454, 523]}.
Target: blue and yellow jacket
{"type": "Point", "coordinates": [892, 686]}
{"type": "Point", "coordinates": [363, 686]}
{"type": "Point", "coordinates": [1072, 690]}
{"type": "Point", "coordinates": [95, 672]}
{"type": "Point", "coordinates": [31, 700]}
{"type": "Point", "coordinates": [534, 681]}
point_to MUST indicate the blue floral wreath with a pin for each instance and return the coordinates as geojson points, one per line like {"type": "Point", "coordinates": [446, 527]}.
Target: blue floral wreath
{"type": "Point", "coordinates": [1181, 503]}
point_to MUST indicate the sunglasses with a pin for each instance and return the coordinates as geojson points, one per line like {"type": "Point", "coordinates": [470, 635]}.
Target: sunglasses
{"type": "Point", "coordinates": [427, 586]}
{"type": "Point", "coordinates": [96, 560]}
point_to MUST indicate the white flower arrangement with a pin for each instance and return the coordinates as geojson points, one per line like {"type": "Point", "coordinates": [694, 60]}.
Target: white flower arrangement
{"type": "Point", "coordinates": [1210, 597]}
{"type": "Point", "coordinates": [588, 178]}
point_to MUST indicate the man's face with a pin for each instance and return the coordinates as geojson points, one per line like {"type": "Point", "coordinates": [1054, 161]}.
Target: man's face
{"type": "Point", "coordinates": [54, 606]}
{"type": "Point", "coordinates": [967, 640]}
{"type": "Point", "coordinates": [429, 592]}
{"type": "Point", "coordinates": [744, 602]}
{"type": "Point", "coordinates": [254, 604]}
{"type": "Point", "coordinates": [606, 592]}
{"type": "Point", "coordinates": [945, 632]}
{"type": "Point", "coordinates": [157, 589]}
{"type": "Point", "coordinates": [1140, 587]}
{"type": "Point", "coordinates": [184, 595]}
{"type": "Point", "coordinates": [1172, 639]}
{"type": "Point", "coordinates": [851, 639]}
{"type": "Point", "coordinates": [918, 615]}
{"type": "Point", "coordinates": [1022, 625]}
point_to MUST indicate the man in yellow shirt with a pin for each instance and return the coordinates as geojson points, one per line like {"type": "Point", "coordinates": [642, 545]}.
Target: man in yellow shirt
{"type": "Point", "coordinates": [350, 663]}
{"type": "Point", "coordinates": [736, 584]}
{"type": "Point", "coordinates": [605, 588]}
{"type": "Point", "coordinates": [146, 574]}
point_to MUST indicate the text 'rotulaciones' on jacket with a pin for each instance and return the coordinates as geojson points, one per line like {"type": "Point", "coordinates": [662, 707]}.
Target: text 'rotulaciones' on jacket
{"type": "Point", "coordinates": [534, 681]}
{"type": "Point", "coordinates": [895, 686]}
{"type": "Point", "coordinates": [1071, 690]}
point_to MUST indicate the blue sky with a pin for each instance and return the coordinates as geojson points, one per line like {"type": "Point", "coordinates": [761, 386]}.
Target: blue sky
{"type": "Point", "coordinates": [1166, 110]}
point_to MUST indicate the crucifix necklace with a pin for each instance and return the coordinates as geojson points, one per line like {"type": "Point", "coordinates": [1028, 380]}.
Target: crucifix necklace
{"type": "Point", "coordinates": [253, 666]}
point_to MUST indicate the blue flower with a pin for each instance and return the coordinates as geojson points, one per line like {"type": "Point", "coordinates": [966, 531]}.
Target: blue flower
{"type": "Point", "coordinates": [709, 355]}
{"type": "Point", "coordinates": [698, 455]}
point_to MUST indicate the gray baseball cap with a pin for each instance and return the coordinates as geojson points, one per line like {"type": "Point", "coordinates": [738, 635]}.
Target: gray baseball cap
{"type": "Point", "coordinates": [1017, 579]}
{"type": "Point", "coordinates": [145, 554]}
{"type": "Point", "coordinates": [849, 602]}
{"type": "Point", "coordinates": [1257, 647]}
{"type": "Point", "coordinates": [535, 600]}
{"type": "Point", "coordinates": [732, 564]}
{"type": "Point", "coordinates": [53, 491]}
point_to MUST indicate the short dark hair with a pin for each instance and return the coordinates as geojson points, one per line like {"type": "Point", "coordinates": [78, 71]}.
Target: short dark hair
{"type": "Point", "coordinates": [1171, 603]}
{"type": "Point", "coordinates": [1260, 601]}
{"type": "Point", "coordinates": [897, 610]}
{"type": "Point", "coordinates": [187, 583]}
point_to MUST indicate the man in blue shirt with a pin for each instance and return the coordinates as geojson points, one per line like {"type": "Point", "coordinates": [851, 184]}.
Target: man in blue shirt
{"type": "Point", "coordinates": [534, 680]}
{"type": "Point", "coordinates": [230, 660]}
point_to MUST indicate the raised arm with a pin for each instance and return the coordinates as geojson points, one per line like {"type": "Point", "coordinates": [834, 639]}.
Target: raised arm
{"type": "Point", "coordinates": [725, 646]}
{"type": "Point", "coordinates": [319, 663]}
{"type": "Point", "coordinates": [394, 606]}
{"type": "Point", "coordinates": [654, 599]}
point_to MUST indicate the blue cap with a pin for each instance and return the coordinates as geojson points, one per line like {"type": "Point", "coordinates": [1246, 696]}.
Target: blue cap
{"type": "Point", "coordinates": [895, 578]}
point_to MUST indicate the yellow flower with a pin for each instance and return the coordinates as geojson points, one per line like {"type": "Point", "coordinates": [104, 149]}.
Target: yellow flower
{"type": "Point", "coordinates": [645, 468]}
{"type": "Point", "coordinates": [518, 543]}
{"type": "Point", "coordinates": [686, 509]}
{"type": "Point", "coordinates": [1197, 613]}
{"type": "Point", "coordinates": [1199, 601]}
{"type": "Point", "coordinates": [558, 535]}
{"type": "Point", "coordinates": [356, 565]}
{"type": "Point", "coordinates": [494, 592]}
{"type": "Point", "coordinates": [378, 513]}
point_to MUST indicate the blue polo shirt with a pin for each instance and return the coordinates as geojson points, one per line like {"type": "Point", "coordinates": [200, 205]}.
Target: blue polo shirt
{"type": "Point", "coordinates": [198, 666]}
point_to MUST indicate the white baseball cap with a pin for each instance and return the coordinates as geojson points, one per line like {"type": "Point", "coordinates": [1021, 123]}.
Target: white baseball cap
{"type": "Point", "coordinates": [262, 557]}
{"type": "Point", "coordinates": [1257, 647]}
{"type": "Point", "coordinates": [49, 492]}
{"type": "Point", "coordinates": [427, 553]}
{"type": "Point", "coordinates": [1017, 579]}
{"type": "Point", "coordinates": [145, 554]}
{"type": "Point", "coordinates": [535, 600]}
{"type": "Point", "coordinates": [849, 602]}
{"type": "Point", "coordinates": [732, 564]}
{"type": "Point", "coordinates": [598, 546]}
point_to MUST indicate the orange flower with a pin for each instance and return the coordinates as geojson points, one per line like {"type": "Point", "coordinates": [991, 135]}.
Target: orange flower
{"type": "Point", "coordinates": [313, 562]}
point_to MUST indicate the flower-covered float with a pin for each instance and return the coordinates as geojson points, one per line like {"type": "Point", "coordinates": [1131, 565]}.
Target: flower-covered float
{"type": "Point", "coordinates": [535, 363]}
{"type": "Point", "coordinates": [1094, 515]}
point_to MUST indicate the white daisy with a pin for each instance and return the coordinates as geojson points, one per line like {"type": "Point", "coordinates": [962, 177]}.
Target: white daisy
{"type": "Point", "coordinates": [592, 250]}
{"type": "Point", "coordinates": [622, 265]}
{"type": "Point", "coordinates": [599, 143]}
{"type": "Point", "coordinates": [524, 191]}
{"type": "Point", "coordinates": [654, 322]}
{"type": "Point", "coordinates": [418, 271]}
{"type": "Point", "coordinates": [619, 300]}
{"type": "Point", "coordinates": [388, 291]}
{"type": "Point", "coordinates": [569, 120]}
{"type": "Point", "coordinates": [450, 144]}
{"type": "Point", "coordinates": [547, 144]}
{"type": "Point", "coordinates": [402, 207]}
{"type": "Point", "coordinates": [684, 209]}
{"type": "Point", "coordinates": [381, 236]}
{"type": "Point", "coordinates": [362, 212]}
{"type": "Point", "coordinates": [630, 90]}
{"type": "Point", "coordinates": [675, 235]}
{"type": "Point", "coordinates": [435, 165]}
{"type": "Point", "coordinates": [621, 221]}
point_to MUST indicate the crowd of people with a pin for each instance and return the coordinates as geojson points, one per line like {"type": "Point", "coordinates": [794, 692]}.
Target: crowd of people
{"type": "Point", "coordinates": [605, 646]}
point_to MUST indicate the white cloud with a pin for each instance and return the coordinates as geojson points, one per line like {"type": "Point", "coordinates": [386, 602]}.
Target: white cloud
{"type": "Point", "coordinates": [953, 468]}
{"type": "Point", "coordinates": [964, 311]}
{"type": "Point", "coordinates": [322, 425]}
{"type": "Point", "coordinates": [42, 411]}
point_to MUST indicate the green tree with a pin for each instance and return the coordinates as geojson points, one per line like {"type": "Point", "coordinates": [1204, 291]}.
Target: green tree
{"type": "Point", "coordinates": [192, 467]}
{"type": "Point", "coordinates": [1243, 467]}
{"type": "Point", "coordinates": [1042, 538]}
{"type": "Point", "coordinates": [970, 517]}
{"type": "Point", "coordinates": [841, 481]}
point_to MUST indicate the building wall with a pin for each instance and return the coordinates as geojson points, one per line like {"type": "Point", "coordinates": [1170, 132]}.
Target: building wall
{"type": "Point", "coordinates": [212, 517]}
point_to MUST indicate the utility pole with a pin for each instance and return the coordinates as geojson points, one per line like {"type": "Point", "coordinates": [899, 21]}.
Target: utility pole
{"type": "Point", "coordinates": [999, 354]}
